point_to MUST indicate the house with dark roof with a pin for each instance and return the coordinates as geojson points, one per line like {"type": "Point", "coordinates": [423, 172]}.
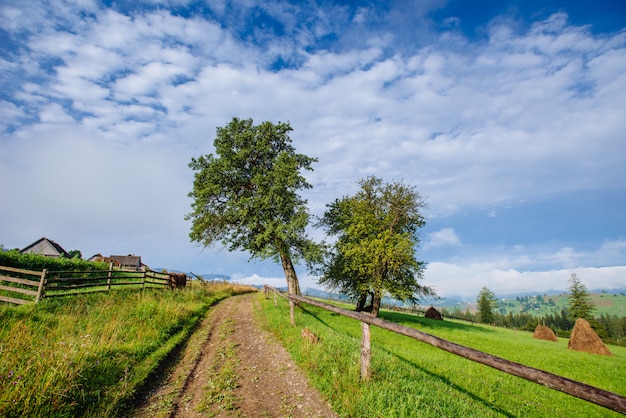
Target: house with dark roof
{"type": "Point", "coordinates": [128, 262]}
{"type": "Point", "coordinates": [45, 246]}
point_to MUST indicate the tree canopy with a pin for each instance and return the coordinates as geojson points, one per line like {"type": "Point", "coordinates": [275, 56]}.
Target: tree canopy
{"type": "Point", "coordinates": [375, 250]}
{"type": "Point", "coordinates": [245, 196]}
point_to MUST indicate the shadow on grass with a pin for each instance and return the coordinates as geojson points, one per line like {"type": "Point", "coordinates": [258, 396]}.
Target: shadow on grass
{"type": "Point", "coordinates": [447, 382]}
{"type": "Point", "coordinates": [416, 322]}
{"type": "Point", "coordinates": [316, 316]}
{"type": "Point", "coordinates": [409, 320]}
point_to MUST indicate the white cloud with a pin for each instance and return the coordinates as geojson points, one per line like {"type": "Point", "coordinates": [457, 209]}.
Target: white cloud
{"type": "Point", "coordinates": [525, 269]}
{"type": "Point", "coordinates": [326, 64]}
{"type": "Point", "coordinates": [466, 280]}
{"type": "Point", "coordinates": [54, 113]}
{"type": "Point", "coordinates": [123, 102]}
{"type": "Point", "coordinates": [256, 280]}
{"type": "Point", "coordinates": [609, 253]}
{"type": "Point", "coordinates": [443, 237]}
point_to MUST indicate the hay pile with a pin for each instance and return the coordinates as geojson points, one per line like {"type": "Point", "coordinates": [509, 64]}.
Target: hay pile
{"type": "Point", "coordinates": [585, 339]}
{"type": "Point", "coordinates": [544, 333]}
{"type": "Point", "coordinates": [308, 335]}
{"type": "Point", "coordinates": [433, 313]}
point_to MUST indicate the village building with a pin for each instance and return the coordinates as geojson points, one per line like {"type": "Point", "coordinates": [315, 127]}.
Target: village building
{"type": "Point", "coordinates": [46, 247]}
{"type": "Point", "coordinates": [128, 262]}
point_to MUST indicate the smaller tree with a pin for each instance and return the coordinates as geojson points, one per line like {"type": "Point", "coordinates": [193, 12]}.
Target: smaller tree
{"type": "Point", "coordinates": [377, 232]}
{"type": "Point", "coordinates": [580, 305]}
{"type": "Point", "coordinates": [487, 302]}
{"type": "Point", "coordinates": [75, 254]}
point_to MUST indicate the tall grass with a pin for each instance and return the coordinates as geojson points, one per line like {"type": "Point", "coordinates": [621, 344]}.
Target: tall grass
{"type": "Point", "coordinates": [413, 379]}
{"type": "Point", "coordinates": [88, 355]}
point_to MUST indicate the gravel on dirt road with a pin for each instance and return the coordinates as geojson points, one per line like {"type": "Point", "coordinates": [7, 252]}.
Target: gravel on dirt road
{"type": "Point", "coordinates": [238, 369]}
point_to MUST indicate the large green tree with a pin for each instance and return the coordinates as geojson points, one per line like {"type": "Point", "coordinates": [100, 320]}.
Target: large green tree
{"type": "Point", "coordinates": [486, 302]}
{"type": "Point", "coordinates": [374, 253]}
{"type": "Point", "coordinates": [245, 196]}
{"type": "Point", "coordinates": [580, 304]}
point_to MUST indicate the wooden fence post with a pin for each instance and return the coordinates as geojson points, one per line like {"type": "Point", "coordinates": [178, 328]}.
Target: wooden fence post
{"type": "Point", "coordinates": [292, 315]}
{"type": "Point", "coordinates": [275, 297]}
{"type": "Point", "coordinates": [366, 351]}
{"type": "Point", "coordinates": [109, 276]}
{"type": "Point", "coordinates": [42, 285]}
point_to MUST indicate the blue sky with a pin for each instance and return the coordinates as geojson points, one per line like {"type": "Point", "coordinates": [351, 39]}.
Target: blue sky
{"type": "Point", "coordinates": [507, 115]}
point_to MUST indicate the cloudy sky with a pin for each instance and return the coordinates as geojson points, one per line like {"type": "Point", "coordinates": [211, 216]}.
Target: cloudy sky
{"type": "Point", "coordinates": [508, 116]}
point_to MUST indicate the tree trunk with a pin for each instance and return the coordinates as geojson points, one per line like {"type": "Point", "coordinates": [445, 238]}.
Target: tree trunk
{"type": "Point", "coordinates": [376, 300]}
{"type": "Point", "coordinates": [360, 304]}
{"type": "Point", "coordinates": [290, 274]}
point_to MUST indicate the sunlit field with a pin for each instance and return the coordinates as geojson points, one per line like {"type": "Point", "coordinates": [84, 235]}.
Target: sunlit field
{"type": "Point", "coordinates": [90, 355]}
{"type": "Point", "coordinates": [411, 378]}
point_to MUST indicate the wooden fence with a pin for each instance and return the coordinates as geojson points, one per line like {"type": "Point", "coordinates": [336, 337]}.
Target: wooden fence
{"type": "Point", "coordinates": [580, 390]}
{"type": "Point", "coordinates": [20, 286]}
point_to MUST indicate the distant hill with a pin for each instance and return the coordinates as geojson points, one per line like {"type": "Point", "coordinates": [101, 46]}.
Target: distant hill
{"type": "Point", "coordinates": [205, 276]}
{"type": "Point", "coordinates": [317, 293]}
{"type": "Point", "coordinates": [608, 302]}
{"type": "Point", "coordinates": [605, 302]}
{"type": "Point", "coordinates": [213, 276]}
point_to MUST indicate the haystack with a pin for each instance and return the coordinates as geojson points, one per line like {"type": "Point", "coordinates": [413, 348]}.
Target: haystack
{"type": "Point", "coordinates": [433, 313]}
{"type": "Point", "coordinates": [585, 339]}
{"type": "Point", "coordinates": [544, 333]}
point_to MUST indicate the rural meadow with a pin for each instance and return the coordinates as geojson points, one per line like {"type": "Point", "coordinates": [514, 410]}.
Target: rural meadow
{"type": "Point", "coordinates": [401, 208]}
{"type": "Point", "coordinates": [115, 348]}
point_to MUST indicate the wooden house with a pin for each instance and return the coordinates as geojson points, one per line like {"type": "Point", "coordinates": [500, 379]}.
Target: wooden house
{"type": "Point", "coordinates": [45, 246]}
{"type": "Point", "coordinates": [128, 262]}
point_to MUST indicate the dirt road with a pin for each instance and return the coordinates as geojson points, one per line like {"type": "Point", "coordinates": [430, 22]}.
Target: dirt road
{"type": "Point", "coordinates": [231, 367]}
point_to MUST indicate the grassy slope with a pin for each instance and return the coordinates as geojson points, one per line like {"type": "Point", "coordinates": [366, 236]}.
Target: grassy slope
{"type": "Point", "coordinates": [605, 303]}
{"type": "Point", "coordinates": [88, 355]}
{"type": "Point", "coordinates": [414, 379]}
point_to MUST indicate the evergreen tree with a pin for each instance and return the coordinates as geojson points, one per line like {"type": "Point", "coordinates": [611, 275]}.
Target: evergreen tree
{"type": "Point", "coordinates": [580, 305]}
{"type": "Point", "coordinates": [487, 302]}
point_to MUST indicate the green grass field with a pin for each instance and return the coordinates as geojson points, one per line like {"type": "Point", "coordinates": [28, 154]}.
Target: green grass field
{"type": "Point", "coordinates": [413, 379]}
{"type": "Point", "coordinates": [88, 355]}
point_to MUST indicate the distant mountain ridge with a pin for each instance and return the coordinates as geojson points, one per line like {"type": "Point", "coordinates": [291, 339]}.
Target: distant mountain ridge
{"type": "Point", "coordinates": [609, 302]}
{"type": "Point", "coordinates": [213, 276]}
{"type": "Point", "coordinates": [205, 276]}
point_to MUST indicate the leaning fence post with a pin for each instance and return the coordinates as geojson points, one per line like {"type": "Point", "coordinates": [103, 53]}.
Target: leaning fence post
{"type": "Point", "coordinates": [291, 312]}
{"type": "Point", "coordinates": [42, 285]}
{"type": "Point", "coordinates": [366, 351]}
{"type": "Point", "coordinates": [275, 297]}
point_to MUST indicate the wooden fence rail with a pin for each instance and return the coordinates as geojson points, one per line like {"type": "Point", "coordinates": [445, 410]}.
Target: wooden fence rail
{"type": "Point", "coordinates": [580, 390]}
{"type": "Point", "coordinates": [25, 286]}
{"type": "Point", "coordinates": [20, 286]}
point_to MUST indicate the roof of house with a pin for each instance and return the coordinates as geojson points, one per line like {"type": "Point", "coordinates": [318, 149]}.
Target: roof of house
{"type": "Point", "coordinates": [127, 260]}
{"type": "Point", "coordinates": [45, 246]}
